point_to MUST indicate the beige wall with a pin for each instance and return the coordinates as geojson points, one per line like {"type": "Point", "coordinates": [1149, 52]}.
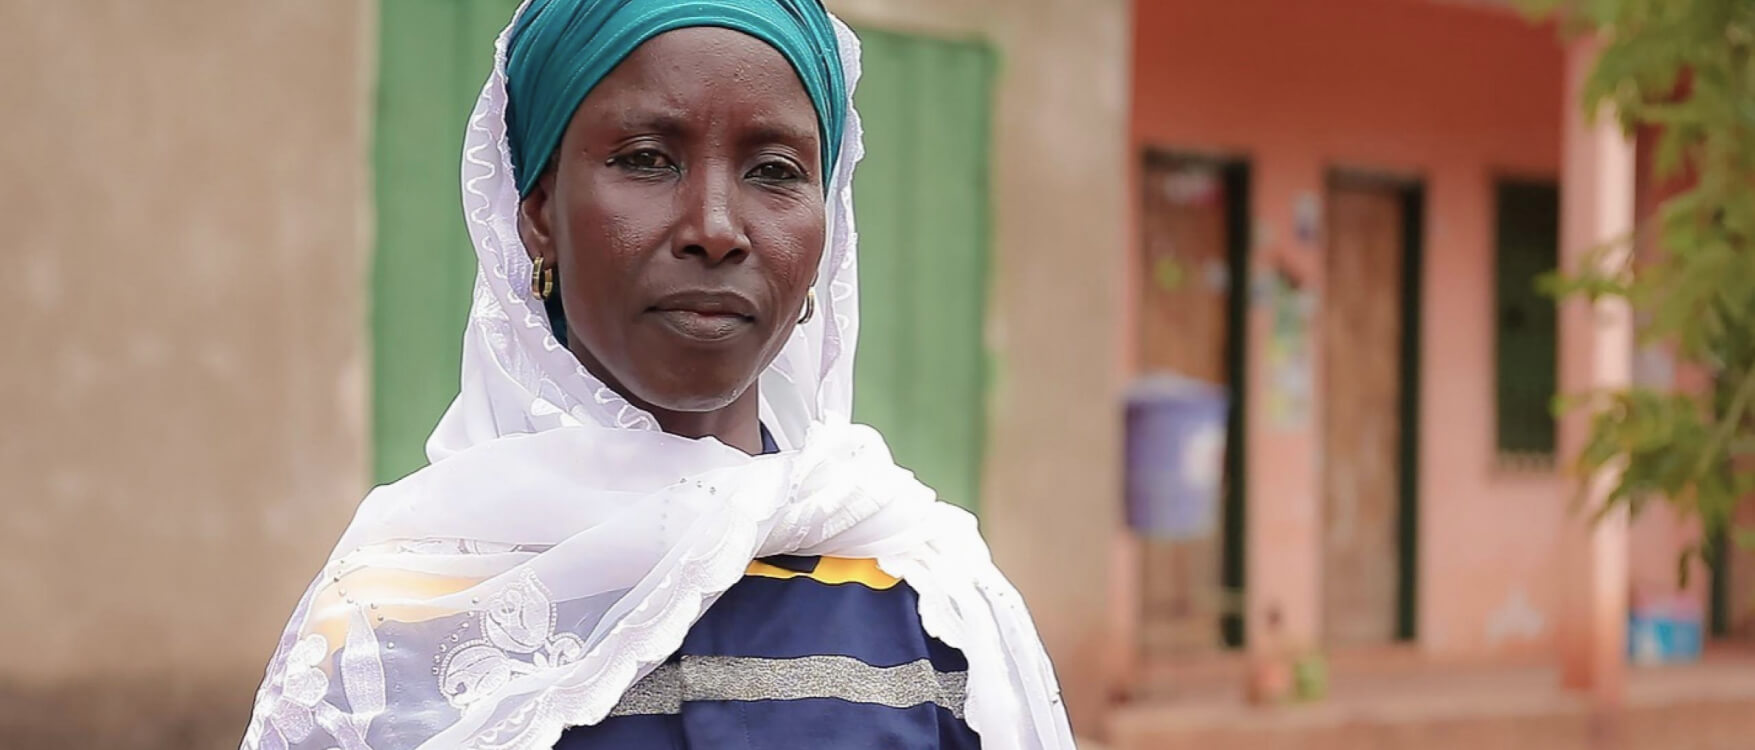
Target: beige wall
{"type": "Point", "coordinates": [1051, 485]}
{"type": "Point", "coordinates": [183, 382]}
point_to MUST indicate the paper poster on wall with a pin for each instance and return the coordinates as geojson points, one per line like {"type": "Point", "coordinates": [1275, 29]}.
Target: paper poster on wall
{"type": "Point", "coordinates": [1307, 219]}
{"type": "Point", "coordinates": [1288, 356]}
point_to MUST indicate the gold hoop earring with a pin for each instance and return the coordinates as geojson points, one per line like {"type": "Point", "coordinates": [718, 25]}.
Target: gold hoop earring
{"type": "Point", "coordinates": [810, 306]}
{"type": "Point", "coordinates": [542, 283]}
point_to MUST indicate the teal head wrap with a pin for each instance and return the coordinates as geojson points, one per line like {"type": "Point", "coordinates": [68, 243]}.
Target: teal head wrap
{"type": "Point", "coordinates": [561, 49]}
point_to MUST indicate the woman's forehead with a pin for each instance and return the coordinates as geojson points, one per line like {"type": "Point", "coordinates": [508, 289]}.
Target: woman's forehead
{"type": "Point", "coordinates": [561, 51]}
{"type": "Point", "coordinates": [675, 78]}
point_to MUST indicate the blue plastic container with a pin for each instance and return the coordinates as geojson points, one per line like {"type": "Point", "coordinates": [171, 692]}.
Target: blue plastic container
{"type": "Point", "coordinates": [1659, 635]}
{"type": "Point", "coordinates": [1175, 457]}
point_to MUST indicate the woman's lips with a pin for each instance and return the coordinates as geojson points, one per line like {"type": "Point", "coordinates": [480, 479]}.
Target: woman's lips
{"type": "Point", "coordinates": [703, 326]}
{"type": "Point", "coordinates": [705, 315]}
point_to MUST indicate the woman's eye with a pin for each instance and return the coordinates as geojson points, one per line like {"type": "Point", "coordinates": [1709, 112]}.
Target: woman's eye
{"type": "Point", "coordinates": [645, 159]}
{"type": "Point", "coordinates": [775, 171]}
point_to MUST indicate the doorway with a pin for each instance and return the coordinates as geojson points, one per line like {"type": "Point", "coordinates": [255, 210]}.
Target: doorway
{"type": "Point", "coordinates": [1369, 425]}
{"type": "Point", "coordinates": [1195, 218]}
{"type": "Point", "coordinates": [923, 367]}
{"type": "Point", "coordinates": [433, 57]}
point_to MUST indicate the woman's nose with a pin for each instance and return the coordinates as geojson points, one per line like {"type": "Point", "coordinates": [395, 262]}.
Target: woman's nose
{"type": "Point", "coordinates": [710, 227]}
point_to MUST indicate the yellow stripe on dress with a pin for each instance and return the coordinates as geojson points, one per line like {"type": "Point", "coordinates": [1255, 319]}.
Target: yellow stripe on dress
{"type": "Point", "coordinates": [337, 598]}
{"type": "Point", "coordinates": [832, 570]}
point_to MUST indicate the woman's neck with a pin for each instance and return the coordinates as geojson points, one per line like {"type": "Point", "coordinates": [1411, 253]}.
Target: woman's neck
{"type": "Point", "coordinates": [737, 424]}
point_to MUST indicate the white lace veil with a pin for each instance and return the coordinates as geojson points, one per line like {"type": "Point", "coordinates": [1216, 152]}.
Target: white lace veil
{"type": "Point", "coordinates": [560, 546]}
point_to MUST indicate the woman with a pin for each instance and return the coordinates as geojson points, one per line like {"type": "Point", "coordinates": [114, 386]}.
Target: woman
{"type": "Point", "coordinates": [648, 521]}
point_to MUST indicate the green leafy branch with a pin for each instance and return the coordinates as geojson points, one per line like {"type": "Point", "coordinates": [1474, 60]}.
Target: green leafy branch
{"type": "Point", "coordinates": [1682, 71]}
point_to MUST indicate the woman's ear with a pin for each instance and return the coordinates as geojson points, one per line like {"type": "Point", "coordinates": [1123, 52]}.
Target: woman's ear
{"type": "Point", "coordinates": [535, 228]}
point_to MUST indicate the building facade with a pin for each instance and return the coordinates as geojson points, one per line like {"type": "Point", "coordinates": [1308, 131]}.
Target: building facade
{"type": "Point", "coordinates": [242, 281]}
{"type": "Point", "coordinates": [1344, 212]}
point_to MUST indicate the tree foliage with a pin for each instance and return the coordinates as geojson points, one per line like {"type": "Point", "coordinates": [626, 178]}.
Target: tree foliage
{"type": "Point", "coordinates": [1682, 71]}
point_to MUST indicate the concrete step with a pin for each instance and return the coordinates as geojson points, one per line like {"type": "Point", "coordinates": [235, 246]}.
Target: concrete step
{"type": "Point", "coordinates": [1706, 706]}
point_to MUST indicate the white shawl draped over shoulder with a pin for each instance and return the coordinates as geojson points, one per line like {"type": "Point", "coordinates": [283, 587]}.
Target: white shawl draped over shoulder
{"type": "Point", "coordinates": [559, 546]}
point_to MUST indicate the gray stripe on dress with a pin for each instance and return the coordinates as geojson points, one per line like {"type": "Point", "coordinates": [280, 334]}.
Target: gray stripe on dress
{"type": "Point", "coordinates": [739, 678]}
{"type": "Point", "coordinates": [659, 692]}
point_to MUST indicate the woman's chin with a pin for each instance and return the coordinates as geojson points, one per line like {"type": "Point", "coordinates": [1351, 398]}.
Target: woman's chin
{"type": "Point", "coordinates": [698, 394]}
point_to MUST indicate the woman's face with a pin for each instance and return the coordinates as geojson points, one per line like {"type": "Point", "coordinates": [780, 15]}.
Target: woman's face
{"type": "Point", "coordinates": [684, 216]}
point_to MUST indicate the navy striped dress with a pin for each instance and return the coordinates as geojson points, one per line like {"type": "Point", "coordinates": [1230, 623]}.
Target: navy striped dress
{"type": "Point", "coordinates": [803, 652]}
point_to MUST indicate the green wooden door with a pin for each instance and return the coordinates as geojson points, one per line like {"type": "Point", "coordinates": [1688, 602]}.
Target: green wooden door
{"type": "Point", "coordinates": [923, 217]}
{"type": "Point", "coordinates": [435, 55]}
{"type": "Point", "coordinates": [921, 200]}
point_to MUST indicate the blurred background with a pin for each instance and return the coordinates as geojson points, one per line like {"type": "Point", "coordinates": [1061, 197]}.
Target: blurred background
{"type": "Point", "coordinates": [1230, 336]}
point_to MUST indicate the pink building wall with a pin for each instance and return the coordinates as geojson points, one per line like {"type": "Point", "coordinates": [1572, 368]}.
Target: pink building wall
{"type": "Point", "coordinates": [1455, 96]}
